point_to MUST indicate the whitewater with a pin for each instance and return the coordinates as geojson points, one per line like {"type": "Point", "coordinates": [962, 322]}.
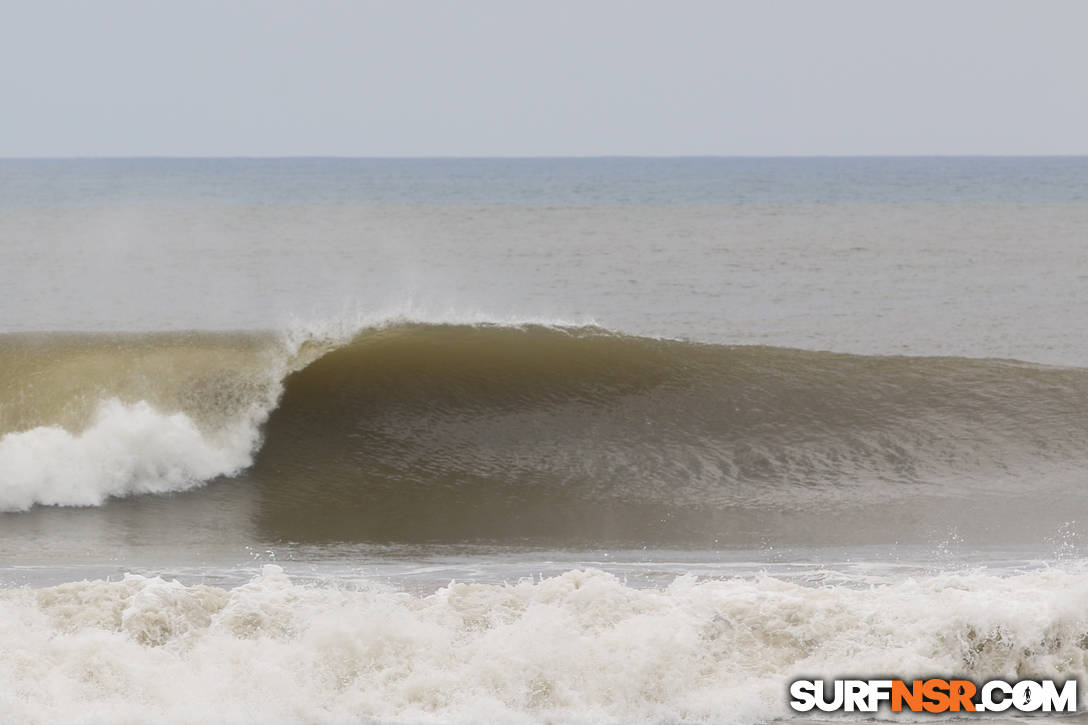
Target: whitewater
{"type": "Point", "coordinates": [535, 441]}
{"type": "Point", "coordinates": [580, 647]}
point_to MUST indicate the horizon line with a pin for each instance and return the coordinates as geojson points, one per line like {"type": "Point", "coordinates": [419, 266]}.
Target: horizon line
{"type": "Point", "coordinates": [541, 157]}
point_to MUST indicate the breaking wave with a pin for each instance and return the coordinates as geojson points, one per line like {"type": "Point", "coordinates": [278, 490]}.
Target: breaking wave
{"type": "Point", "coordinates": [581, 647]}
{"type": "Point", "coordinates": [438, 432]}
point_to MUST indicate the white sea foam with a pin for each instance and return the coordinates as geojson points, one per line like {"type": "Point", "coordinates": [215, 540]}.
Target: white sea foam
{"type": "Point", "coordinates": [127, 449]}
{"type": "Point", "coordinates": [581, 647]}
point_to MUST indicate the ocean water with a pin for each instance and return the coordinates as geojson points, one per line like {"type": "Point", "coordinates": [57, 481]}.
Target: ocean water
{"type": "Point", "coordinates": [537, 440]}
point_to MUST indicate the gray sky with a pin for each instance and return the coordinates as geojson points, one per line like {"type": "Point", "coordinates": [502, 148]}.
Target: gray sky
{"type": "Point", "coordinates": [551, 77]}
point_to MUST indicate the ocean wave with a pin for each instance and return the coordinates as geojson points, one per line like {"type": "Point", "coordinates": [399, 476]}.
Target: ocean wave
{"type": "Point", "coordinates": [439, 431]}
{"type": "Point", "coordinates": [581, 647]}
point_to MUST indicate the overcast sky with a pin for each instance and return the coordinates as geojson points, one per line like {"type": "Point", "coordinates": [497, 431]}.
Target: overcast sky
{"type": "Point", "coordinates": [551, 77]}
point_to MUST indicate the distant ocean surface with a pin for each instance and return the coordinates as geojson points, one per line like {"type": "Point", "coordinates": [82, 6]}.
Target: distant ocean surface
{"type": "Point", "coordinates": [535, 440]}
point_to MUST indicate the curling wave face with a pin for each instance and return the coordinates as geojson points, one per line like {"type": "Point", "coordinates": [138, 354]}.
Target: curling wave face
{"type": "Point", "coordinates": [414, 431]}
{"type": "Point", "coordinates": [581, 647]}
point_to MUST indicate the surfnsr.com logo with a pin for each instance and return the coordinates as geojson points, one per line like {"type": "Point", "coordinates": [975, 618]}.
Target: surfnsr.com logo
{"type": "Point", "coordinates": [933, 695]}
